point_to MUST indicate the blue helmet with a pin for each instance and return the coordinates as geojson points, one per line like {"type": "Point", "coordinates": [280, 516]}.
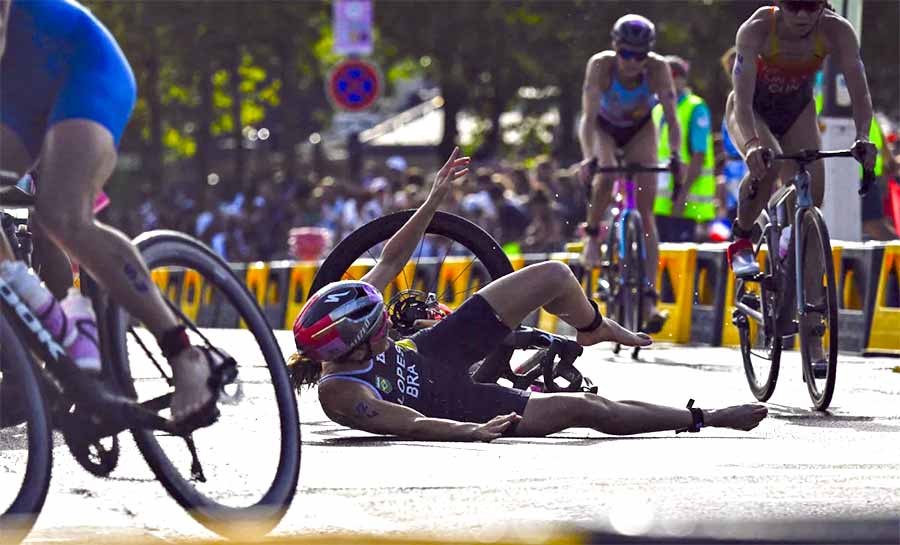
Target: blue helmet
{"type": "Point", "coordinates": [635, 31]}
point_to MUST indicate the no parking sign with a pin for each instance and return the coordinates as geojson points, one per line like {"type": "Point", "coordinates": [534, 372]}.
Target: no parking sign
{"type": "Point", "coordinates": [354, 85]}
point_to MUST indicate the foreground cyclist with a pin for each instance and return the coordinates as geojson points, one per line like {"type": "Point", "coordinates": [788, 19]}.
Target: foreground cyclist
{"type": "Point", "coordinates": [621, 88]}
{"type": "Point", "coordinates": [779, 50]}
{"type": "Point", "coordinates": [420, 388]}
{"type": "Point", "coordinates": [66, 94]}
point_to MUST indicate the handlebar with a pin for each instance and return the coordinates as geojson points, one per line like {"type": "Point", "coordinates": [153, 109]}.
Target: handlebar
{"type": "Point", "coordinates": [804, 157]}
{"type": "Point", "coordinates": [628, 168]}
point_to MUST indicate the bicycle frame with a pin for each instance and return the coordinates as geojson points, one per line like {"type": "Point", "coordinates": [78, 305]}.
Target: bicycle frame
{"type": "Point", "coordinates": [627, 171]}
{"type": "Point", "coordinates": [801, 183]}
{"type": "Point", "coordinates": [62, 379]}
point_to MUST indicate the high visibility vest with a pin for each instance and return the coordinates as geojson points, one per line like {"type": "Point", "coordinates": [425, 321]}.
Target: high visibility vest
{"type": "Point", "coordinates": [875, 137]}
{"type": "Point", "coordinates": [700, 204]}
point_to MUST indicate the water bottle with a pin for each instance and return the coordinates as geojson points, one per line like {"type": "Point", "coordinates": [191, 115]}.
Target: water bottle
{"type": "Point", "coordinates": [82, 341]}
{"type": "Point", "coordinates": [71, 322]}
{"type": "Point", "coordinates": [784, 242]}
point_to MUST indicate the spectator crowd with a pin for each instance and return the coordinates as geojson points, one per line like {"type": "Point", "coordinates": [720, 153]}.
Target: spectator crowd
{"type": "Point", "coordinates": [535, 208]}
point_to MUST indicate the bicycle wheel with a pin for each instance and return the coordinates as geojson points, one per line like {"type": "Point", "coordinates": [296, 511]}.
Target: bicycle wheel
{"type": "Point", "coordinates": [632, 257]}
{"type": "Point", "coordinates": [818, 299]}
{"type": "Point", "coordinates": [454, 260]}
{"type": "Point", "coordinates": [760, 343]}
{"type": "Point", "coordinates": [245, 471]}
{"type": "Point", "coordinates": [26, 440]}
{"type": "Point", "coordinates": [611, 274]}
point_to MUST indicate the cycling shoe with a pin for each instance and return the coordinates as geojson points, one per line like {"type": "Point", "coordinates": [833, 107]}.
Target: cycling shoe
{"type": "Point", "coordinates": [199, 372]}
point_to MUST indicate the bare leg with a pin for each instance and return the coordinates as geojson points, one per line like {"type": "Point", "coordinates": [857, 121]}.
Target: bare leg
{"type": "Point", "coordinates": [550, 413]}
{"type": "Point", "coordinates": [750, 208]}
{"type": "Point", "coordinates": [601, 196]}
{"type": "Point", "coordinates": [77, 159]}
{"type": "Point", "coordinates": [552, 285]}
{"type": "Point", "coordinates": [50, 262]}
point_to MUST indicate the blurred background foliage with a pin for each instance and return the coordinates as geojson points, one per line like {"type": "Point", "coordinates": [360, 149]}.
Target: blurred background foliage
{"type": "Point", "coordinates": [210, 71]}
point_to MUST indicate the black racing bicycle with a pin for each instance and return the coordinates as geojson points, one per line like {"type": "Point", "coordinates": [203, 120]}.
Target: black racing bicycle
{"type": "Point", "coordinates": [454, 259]}
{"type": "Point", "coordinates": [237, 477]}
{"type": "Point", "coordinates": [796, 290]}
{"type": "Point", "coordinates": [624, 284]}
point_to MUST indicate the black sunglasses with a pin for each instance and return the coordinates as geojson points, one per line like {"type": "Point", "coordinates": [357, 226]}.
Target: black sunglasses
{"type": "Point", "coordinates": [629, 55]}
{"type": "Point", "coordinates": [799, 5]}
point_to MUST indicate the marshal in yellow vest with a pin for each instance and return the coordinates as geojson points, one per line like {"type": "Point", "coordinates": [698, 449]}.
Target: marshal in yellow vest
{"type": "Point", "coordinates": [700, 205]}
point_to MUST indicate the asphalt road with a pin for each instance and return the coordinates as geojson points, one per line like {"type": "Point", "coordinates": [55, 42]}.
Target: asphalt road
{"type": "Point", "coordinates": [797, 465]}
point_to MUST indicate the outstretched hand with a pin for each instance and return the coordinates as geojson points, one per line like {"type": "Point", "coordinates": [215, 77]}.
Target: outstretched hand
{"type": "Point", "coordinates": [494, 428]}
{"type": "Point", "coordinates": [456, 167]}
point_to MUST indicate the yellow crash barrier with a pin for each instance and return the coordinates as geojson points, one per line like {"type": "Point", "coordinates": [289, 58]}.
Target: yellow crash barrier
{"type": "Point", "coordinates": [193, 294]}
{"type": "Point", "coordinates": [730, 336]}
{"type": "Point", "coordinates": [257, 281]}
{"type": "Point", "coordinates": [677, 268]}
{"type": "Point", "coordinates": [885, 334]}
{"type": "Point", "coordinates": [299, 282]}
{"type": "Point", "coordinates": [454, 286]}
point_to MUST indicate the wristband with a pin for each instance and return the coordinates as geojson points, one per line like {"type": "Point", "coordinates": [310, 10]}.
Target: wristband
{"type": "Point", "coordinates": [697, 416]}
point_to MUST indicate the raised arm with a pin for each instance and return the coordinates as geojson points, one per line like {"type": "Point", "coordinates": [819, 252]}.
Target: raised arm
{"type": "Point", "coordinates": [401, 246]}
{"type": "Point", "coordinates": [385, 418]}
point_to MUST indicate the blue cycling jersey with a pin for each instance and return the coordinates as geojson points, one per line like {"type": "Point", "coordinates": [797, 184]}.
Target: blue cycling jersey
{"type": "Point", "coordinates": [624, 107]}
{"type": "Point", "coordinates": [61, 63]}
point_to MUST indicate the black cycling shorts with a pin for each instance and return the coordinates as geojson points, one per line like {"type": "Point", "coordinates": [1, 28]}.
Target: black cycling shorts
{"type": "Point", "coordinates": [780, 111]}
{"type": "Point", "coordinates": [466, 336]}
{"type": "Point", "coordinates": [621, 135]}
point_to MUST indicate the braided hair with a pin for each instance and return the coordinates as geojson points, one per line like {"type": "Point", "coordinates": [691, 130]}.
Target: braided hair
{"type": "Point", "coordinates": [303, 370]}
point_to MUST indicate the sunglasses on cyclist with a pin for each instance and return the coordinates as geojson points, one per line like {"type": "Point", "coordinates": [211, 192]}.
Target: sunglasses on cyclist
{"type": "Point", "coordinates": [797, 6]}
{"type": "Point", "coordinates": [630, 55]}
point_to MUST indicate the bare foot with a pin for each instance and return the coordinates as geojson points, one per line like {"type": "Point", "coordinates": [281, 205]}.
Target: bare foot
{"type": "Point", "coordinates": [610, 330]}
{"type": "Point", "coordinates": [738, 417]}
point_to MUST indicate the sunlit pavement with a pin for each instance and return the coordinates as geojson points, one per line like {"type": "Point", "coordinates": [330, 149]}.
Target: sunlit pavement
{"type": "Point", "coordinates": [798, 464]}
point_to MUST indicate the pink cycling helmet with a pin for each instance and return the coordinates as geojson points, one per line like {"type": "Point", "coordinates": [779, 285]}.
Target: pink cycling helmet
{"type": "Point", "coordinates": [338, 318]}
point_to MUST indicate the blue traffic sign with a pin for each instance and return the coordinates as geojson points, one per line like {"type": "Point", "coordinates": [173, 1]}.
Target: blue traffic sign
{"type": "Point", "coordinates": [354, 85]}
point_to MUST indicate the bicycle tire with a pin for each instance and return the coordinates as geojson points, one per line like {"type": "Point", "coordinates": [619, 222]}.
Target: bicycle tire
{"type": "Point", "coordinates": [633, 255]}
{"type": "Point", "coordinates": [19, 517]}
{"type": "Point", "coordinates": [459, 230]}
{"type": "Point", "coordinates": [761, 387]}
{"type": "Point", "coordinates": [821, 397]}
{"type": "Point", "coordinates": [172, 249]}
{"type": "Point", "coordinates": [610, 273]}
